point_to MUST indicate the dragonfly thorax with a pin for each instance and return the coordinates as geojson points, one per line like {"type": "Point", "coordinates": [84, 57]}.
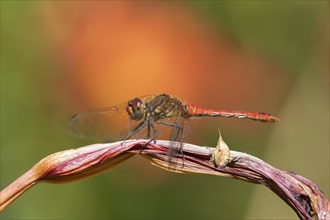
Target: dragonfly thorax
{"type": "Point", "coordinates": [164, 106]}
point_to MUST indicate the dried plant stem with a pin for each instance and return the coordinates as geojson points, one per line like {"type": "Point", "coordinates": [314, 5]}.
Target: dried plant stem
{"type": "Point", "coordinates": [299, 193]}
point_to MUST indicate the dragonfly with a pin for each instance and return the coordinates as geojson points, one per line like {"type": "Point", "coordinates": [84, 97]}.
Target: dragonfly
{"type": "Point", "coordinates": [161, 116]}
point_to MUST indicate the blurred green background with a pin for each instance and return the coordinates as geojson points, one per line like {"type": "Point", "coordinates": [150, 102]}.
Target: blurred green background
{"type": "Point", "coordinates": [60, 58]}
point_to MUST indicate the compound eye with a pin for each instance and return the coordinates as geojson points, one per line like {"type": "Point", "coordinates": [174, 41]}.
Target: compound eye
{"type": "Point", "coordinates": [135, 109]}
{"type": "Point", "coordinates": [138, 104]}
{"type": "Point", "coordinates": [129, 109]}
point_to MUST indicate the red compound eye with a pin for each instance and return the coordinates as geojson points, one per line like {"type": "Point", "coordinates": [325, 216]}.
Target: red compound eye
{"type": "Point", "coordinates": [135, 109]}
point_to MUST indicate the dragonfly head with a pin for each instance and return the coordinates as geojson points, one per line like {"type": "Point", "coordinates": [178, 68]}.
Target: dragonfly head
{"type": "Point", "coordinates": [136, 109]}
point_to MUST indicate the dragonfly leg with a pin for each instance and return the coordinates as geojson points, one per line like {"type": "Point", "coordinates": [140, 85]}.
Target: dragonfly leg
{"type": "Point", "coordinates": [178, 133]}
{"type": "Point", "coordinates": [150, 124]}
{"type": "Point", "coordinates": [181, 144]}
{"type": "Point", "coordinates": [154, 130]}
{"type": "Point", "coordinates": [136, 129]}
{"type": "Point", "coordinates": [169, 124]}
{"type": "Point", "coordinates": [178, 127]}
{"type": "Point", "coordinates": [148, 135]}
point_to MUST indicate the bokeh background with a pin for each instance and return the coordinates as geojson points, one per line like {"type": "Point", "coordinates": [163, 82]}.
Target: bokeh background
{"type": "Point", "coordinates": [60, 58]}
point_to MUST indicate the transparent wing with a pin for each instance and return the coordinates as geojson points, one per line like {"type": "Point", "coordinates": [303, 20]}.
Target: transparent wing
{"type": "Point", "coordinates": [111, 123]}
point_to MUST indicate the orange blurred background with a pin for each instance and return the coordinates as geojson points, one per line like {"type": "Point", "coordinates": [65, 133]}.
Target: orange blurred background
{"type": "Point", "coordinates": [115, 51]}
{"type": "Point", "coordinates": [81, 55]}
